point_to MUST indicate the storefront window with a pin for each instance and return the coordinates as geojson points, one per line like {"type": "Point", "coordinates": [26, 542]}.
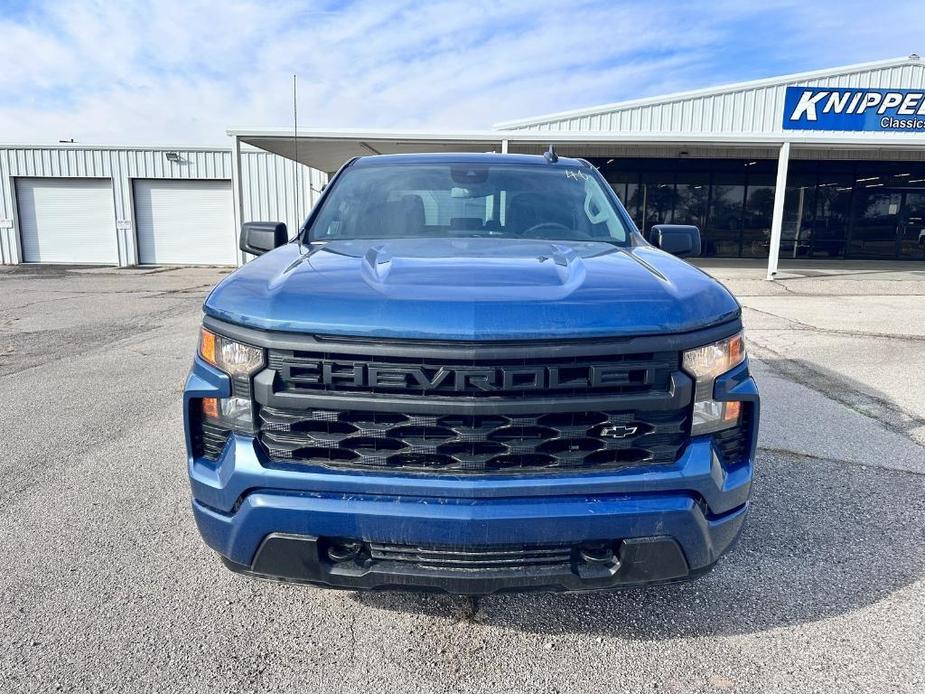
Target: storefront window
{"type": "Point", "coordinates": [912, 225]}
{"type": "Point", "coordinates": [834, 208]}
{"type": "Point", "coordinates": [759, 208]}
{"type": "Point", "coordinates": [633, 203]}
{"type": "Point", "coordinates": [692, 199]}
{"type": "Point", "coordinates": [876, 218]}
{"type": "Point", "coordinates": [625, 184]}
{"type": "Point", "coordinates": [659, 194]}
{"type": "Point", "coordinates": [724, 223]}
{"type": "Point", "coordinates": [833, 212]}
{"type": "Point", "coordinates": [799, 211]}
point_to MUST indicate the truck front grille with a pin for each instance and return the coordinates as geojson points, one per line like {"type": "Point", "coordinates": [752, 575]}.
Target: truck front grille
{"type": "Point", "coordinates": [501, 408]}
{"type": "Point", "coordinates": [473, 443]}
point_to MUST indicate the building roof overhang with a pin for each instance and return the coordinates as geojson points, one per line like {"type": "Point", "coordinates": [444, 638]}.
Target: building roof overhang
{"type": "Point", "coordinates": [327, 150]}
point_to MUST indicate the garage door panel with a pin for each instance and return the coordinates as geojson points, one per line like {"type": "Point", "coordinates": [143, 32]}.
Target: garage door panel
{"type": "Point", "coordinates": [184, 222]}
{"type": "Point", "coordinates": [67, 220]}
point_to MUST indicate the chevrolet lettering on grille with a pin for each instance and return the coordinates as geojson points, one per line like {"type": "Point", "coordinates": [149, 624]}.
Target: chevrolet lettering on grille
{"type": "Point", "coordinates": [460, 379]}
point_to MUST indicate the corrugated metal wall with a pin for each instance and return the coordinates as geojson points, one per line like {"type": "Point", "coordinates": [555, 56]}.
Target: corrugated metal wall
{"type": "Point", "coordinates": [274, 188]}
{"type": "Point", "coordinates": [749, 110]}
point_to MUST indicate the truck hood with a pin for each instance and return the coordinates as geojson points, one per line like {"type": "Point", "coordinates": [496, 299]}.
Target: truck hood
{"type": "Point", "coordinates": [470, 289]}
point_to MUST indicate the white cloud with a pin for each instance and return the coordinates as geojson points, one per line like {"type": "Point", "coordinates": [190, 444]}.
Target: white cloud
{"type": "Point", "coordinates": [182, 72]}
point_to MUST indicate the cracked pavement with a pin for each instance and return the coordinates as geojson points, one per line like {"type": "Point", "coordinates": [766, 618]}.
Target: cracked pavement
{"type": "Point", "coordinates": [107, 586]}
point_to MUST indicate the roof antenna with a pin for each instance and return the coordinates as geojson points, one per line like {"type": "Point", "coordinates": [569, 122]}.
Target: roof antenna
{"type": "Point", "coordinates": [550, 154]}
{"type": "Point", "coordinates": [297, 172]}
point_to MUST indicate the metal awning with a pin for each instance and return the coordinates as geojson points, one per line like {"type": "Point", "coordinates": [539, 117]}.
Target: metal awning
{"type": "Point", "coordinates": [327, 150]}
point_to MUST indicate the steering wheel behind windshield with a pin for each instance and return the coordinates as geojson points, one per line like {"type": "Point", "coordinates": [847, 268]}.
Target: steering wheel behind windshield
{"type": "Point", "coordinates": [544, 225]}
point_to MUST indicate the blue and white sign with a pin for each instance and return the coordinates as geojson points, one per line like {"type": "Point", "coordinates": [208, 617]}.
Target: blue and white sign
{"type": "Point", "coordinates": [836, 108]}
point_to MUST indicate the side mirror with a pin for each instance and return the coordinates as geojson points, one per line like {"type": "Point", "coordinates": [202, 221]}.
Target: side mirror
{"type": "Point", "coordinates": [259, 237]}
{"type": "Point", "coordinates": [678, 239]}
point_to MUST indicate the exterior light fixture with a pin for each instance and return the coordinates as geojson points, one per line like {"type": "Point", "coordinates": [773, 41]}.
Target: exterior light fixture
{"type": "Point", "coordinates": [172, 156]}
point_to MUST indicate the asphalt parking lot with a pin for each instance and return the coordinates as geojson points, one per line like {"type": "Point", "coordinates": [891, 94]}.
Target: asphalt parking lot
{"type": "Point", "coordinates": [106, 585]}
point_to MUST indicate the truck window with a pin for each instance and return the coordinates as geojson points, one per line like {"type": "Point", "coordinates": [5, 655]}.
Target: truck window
{"type": "Point", "coordinates": [468, 200]}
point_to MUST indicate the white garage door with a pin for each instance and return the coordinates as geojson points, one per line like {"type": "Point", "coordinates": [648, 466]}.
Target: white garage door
{"type": "Point", "coordinates": [184, 222]}
{"type": "Point", "coordinates": [67, 220]}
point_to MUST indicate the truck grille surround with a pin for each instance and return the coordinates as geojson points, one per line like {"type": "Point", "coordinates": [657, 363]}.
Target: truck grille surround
{"type": "Point", "coordinates": [493, 414]}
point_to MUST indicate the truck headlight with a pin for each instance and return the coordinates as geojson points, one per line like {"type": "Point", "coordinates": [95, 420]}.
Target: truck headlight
{"type": "Point", "coordinates": [239, 361]}
{"type": "Point", "coordinates": [234, 358]}
{"type": "Point", "coordinates": [705, 364]}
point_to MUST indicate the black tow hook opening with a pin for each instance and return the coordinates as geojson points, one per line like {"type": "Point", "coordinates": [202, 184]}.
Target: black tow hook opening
{"type": "Point", "coordinates": [596, 553]}
{"type": "Point", "coordinates": [344, 550]}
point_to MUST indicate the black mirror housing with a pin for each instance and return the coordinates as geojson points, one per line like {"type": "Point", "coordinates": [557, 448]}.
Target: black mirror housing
{"type": "Point", "coordinates": [681, 240]}
{"type": "Point", "coordinates": [259, 237]}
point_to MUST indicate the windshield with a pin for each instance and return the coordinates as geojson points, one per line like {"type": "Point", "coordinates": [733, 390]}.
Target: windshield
{"type": "Point", "coordinates": [468, 200]}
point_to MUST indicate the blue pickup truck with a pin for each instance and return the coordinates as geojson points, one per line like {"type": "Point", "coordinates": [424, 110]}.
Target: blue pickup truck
{"type": "Point", "coordinates": [470, 373]}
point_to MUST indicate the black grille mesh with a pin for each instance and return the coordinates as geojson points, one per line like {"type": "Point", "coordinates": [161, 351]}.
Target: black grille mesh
{"type": "Point", "coordinates": [473, 443]}
{"type": "Point", "coordinates": [467, 559]}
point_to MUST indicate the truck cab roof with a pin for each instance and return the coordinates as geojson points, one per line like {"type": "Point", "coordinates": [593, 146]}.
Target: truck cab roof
{"type": "Point", "coordinates": [468, 158]}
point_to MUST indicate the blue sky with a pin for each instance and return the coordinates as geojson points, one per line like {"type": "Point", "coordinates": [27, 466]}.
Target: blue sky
{"type": "Point", "coordinates": [181, 72]}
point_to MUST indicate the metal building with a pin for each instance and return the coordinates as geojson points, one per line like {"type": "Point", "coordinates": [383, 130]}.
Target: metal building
{"type": "Point", "coordinates": [820, 164]}
{"type": "Point", "coordinates": [142, 205]}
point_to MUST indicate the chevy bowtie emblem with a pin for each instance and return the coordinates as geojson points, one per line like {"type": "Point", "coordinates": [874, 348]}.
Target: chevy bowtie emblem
{"type": "Point", "coordinates": [616, 431]}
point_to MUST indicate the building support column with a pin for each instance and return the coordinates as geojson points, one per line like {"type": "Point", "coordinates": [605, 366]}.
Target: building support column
{"type": "Point", "coordinates": [503, 146]}
{"type": "Point", "coordinates": [238, 196]}
{"type": "Point", "coordinates": [777, 220]}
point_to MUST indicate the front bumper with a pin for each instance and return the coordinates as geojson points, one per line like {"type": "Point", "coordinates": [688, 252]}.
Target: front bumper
{"type": "Point", "coordinates": [664, 523]}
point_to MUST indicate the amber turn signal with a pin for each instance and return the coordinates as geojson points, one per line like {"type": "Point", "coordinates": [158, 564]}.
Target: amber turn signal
{"type": "Point", "coordinates": [210, 408]}
{"type": "Point", "coordinates": [732, 411]}
{"type": "Point", "coordinates": [207, 346]}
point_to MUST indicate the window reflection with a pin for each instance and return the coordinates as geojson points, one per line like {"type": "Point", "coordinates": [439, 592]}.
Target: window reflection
{"type": "Point", "coordinates": [692, 199]}
{"type": "Point", "coordinates": [799, 215]}
{"type": "Point", "coordinates": [876, 218]}
{"type": "Point", "coordinates": [723, 231]}
{"type": "Point", "coordinates": [833, 212]}
{"type": "Point", "coordinates": [912, 231]}
{"type": "Point", "coordinates": [831, 208]}
{"type": "Point", "coordinates": [632, 206]}
{"type": "Point", "coordinates": [658, 192]}
{"type": "Point", "coordinates": [759, 208]}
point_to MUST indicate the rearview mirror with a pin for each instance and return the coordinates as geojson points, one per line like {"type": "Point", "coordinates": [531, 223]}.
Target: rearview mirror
{"type": "Point", "coordinates": [681, 240]}
{"type": "Point", "coordinates": [259, 237]}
